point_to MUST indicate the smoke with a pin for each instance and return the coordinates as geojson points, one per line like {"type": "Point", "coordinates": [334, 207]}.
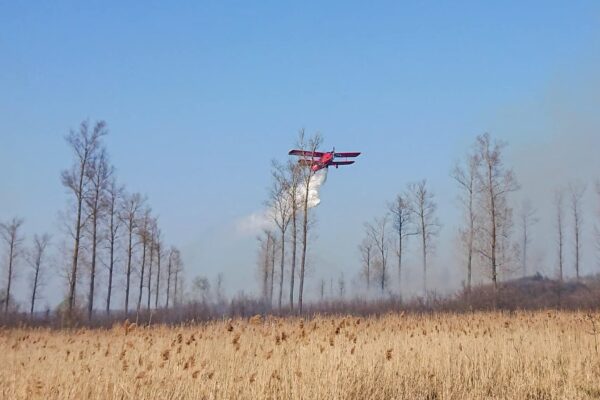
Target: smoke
{"type": "Point", "coordinates": [314, 187]}
{"type": "Point", "coordinates": [253, 224]}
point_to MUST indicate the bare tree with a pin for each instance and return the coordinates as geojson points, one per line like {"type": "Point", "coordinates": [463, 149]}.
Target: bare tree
{"type": "Point", "coordinates": [36, 262]}
{"type": "Point", "coordinates": [465, 176]}
{"type": "Point", "coordinates": [494, 182]}
{"type": "Point", "coordinates": [576, 191]}
{"type": "Point", "coordinates": [527, 218]}
{"type": "Point", "coordinates": [377, 233]}
{"type": "Point", "coordinates": [559, 204]}
{"type": "Point", "coordinates": [322, 289]}
{"type": "Point", "coordinates": [342, 285]}
{"type": "Point", "coordinates": [366, 255]}
{"type": "Point", "coordinates": [144, 233]}
{"type": "Point", "coordinates": [98, 175]}
{"type": "Point", "coordinates": [13, 240]}
{"type": "Point", "coordinates": [219, 289]}
{"type": "Point", "coordinates": [201, 285]}
{"type": "Point", "coordinates": [114, 210]}
{"type": "Point", "coordinates": [281, 212]}
{"type": "Point", "coordinates": [85, 145]}
{"type": "Point", "coordinates": [130, 215]}
{"type": "Point", "coordinates": [423, 208]}
{"type": "Point", "coordinates": [401, 219]}
{"type": "Point", "coordinates": [311, 145]}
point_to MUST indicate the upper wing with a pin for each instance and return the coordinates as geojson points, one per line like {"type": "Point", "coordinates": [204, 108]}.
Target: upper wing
{"type": "Point", "coordinates": [336, 163]}
{"type": "Point", "coordinates": [352, 154]}
{"type": "Point", "coordinates": [304, 153]}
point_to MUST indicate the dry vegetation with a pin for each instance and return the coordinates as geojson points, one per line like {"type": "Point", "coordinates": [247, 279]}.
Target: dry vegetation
{"type": "Point", "coordinates": [537, 355]}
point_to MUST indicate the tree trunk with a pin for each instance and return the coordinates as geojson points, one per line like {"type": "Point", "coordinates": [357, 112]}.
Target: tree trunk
{"type": "Point", "coordinates": [158, 251]}
{"type": "Point", "coordinates": [128, 275]}
{"type": "Point", "coordinates": [93, 266]}
{"type": "Point", "coordinates": [139, 304]}
{"type": "Point", "coordinates": [281, 265]}
{"type": "Point", "coordinates": [10, 267]}
{"type": "Point", "coordinates": [73, 282]}
{"type": "Point", "coordinates": [35, 285]}
{"type": "Point", "coordinates": [150, 273]}
{"type": "Point", "coordinates": [168, 282]}
{"type": "Point", "coordinates": [273, 250]}
{"type": "Point", "coordinates": [304, 245]}
{"type": "Point", "coordinates": [294, 248]}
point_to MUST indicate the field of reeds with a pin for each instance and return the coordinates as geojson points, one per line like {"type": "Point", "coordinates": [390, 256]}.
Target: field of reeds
{"type": "Point", "coordinates": [524, 355]}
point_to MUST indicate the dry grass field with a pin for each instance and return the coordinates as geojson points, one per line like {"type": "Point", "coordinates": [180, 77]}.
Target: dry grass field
{"type": "Point", "coordinates": [541, 355]}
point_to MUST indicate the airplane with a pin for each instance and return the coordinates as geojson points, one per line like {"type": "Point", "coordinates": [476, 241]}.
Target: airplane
{"type": "Point", "coordinates": [317, 160]}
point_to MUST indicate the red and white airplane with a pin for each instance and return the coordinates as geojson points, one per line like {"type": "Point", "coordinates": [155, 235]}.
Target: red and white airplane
{"type": "Point", "coordinates": [317, 160]}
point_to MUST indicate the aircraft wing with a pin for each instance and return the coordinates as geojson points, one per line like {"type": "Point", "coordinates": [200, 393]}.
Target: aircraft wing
{"type": "Point", "coordinates": [305, 153]}
{"type": "Point", "coordinates": [307, 163]}
{"type": "Point", "coordinates": [336, 163]}
{"type": "Point", "coordinates": [352, 154]}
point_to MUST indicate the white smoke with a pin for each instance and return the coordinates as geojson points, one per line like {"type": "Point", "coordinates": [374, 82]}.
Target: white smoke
{"type": "Point", "coordinates": [258, 221]}
{"type": "Point", "coordinates": [314, 187]}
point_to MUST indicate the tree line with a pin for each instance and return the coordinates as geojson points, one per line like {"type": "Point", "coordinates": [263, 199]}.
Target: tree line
{"type": "Point", "coordinates": [108, 232]}
{"type": "Point", "coordinates": [494, 235]}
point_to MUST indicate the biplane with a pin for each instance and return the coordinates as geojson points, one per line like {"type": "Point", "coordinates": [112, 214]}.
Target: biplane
{"type": "Point", "coordinates": [317, 160]}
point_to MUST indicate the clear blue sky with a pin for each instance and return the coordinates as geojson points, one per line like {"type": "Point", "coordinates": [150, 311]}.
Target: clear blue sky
{"type": "Point", "coordinates": [200, 96]}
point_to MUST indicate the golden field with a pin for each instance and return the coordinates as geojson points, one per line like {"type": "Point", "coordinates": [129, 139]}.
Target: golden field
{"type": "Point", "coordinates": [541, 355]}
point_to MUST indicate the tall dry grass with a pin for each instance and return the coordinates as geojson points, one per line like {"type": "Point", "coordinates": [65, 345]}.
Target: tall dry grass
{"type": "Point", "coordinates": [541, 355]}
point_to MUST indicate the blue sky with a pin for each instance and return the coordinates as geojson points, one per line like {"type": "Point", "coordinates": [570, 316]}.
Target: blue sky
{"type": "Point", "coordinates": [200, 96]}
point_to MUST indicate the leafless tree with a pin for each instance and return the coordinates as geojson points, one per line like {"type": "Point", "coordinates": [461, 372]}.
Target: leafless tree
{"type": "Point", "coordinates": [132, 208]}
{"type": "Point", "coordinates": [85, 144]}
{"type": "Point", "coordinates": [342, 285]}
{"type": "Point", "coordinates": [144, 233]}
{"type": "Point", "coordinates": [219, 289]}
{"type": "Point", "coordinates": [401, 220]}
{"type": "Point", "coordinates": [281, 205]}
{"type": "Point", "coordinates": [201, 285]}
{"type": "Point", "coordinates": [576, 191]}
{"type": "Point", "coordinates": [322, 289]}
{"type": "Point", "coordinates": [174, 271]}
{"type": "Point", "coordinates": [10, 234]}
{"type": "Point", "coordinates": [310, 145]}
{"type": "Point", "coordinates": [366, 255]}
{"type": "Point", "coordinates": [98, 175]}
{"type": "Point", "coordinates": [114, 197]}
{"type": "Point", "coordinates": [465, 176]}
{"type": "Point", "coordinates": [495, 182]}
{"type": "Point", "coordinates": [559, 205]}
{"type": "Point", "coordinates": [377, 233]}
{"type": "Point", "coordinates": [423, 208]}
{"type": "Point", "coordinates": [36, 261]}
{"type": "Point", "coordinates": [527, 218]}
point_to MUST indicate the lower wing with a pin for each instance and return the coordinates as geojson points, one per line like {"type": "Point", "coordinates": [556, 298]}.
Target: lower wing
{"type": "Point", "coordinates": [336, 163]}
